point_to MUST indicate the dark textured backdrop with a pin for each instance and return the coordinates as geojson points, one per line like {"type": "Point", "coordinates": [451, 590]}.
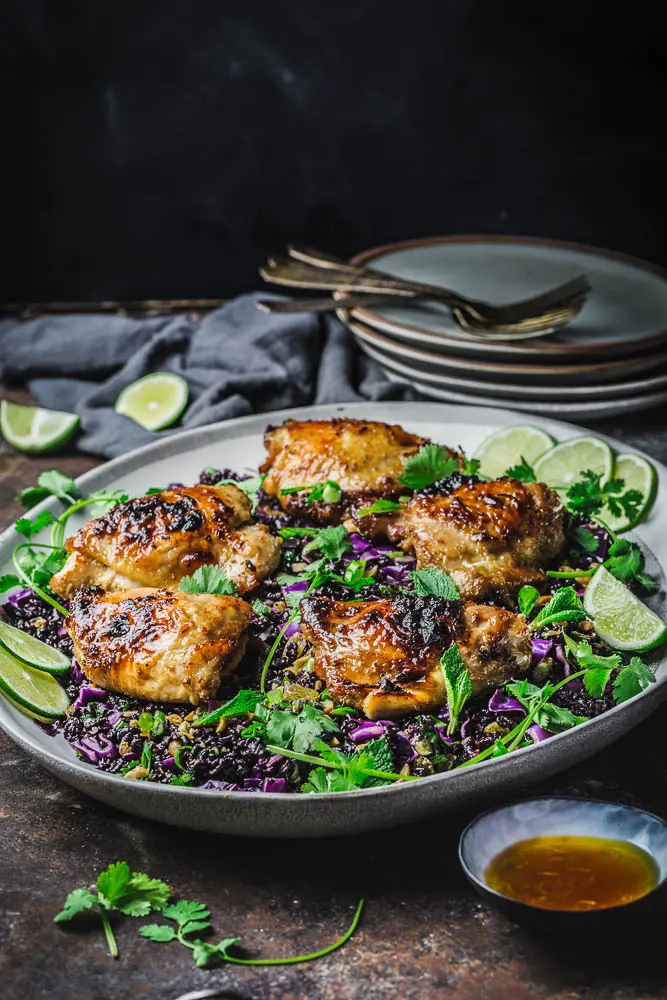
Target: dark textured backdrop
{"type": "Point", "coordinates": [163, 147]}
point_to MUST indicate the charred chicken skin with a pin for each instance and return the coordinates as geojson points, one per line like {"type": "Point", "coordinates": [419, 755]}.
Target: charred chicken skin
{"type": "Point", "coordinates": [159, 645]}
{"type": "Point", "coordinates": [155, 541]}
{"type": "Point", "coordinates": [383, 657]}
{"type": "Point", "coordinates": [491, 537]}
{"type": "Point", "coordinates": [365, 458]}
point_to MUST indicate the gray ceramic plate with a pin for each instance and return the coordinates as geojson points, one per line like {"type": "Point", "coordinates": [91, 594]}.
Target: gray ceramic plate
{"type": "Point", "coordinates": [238, 444]}
{"type": "Point", "coordinates": [642, 387]}
{"type": "Point", "coordinates": [625, 312]}
{"type": "Point", "coordinates": [581, 373]}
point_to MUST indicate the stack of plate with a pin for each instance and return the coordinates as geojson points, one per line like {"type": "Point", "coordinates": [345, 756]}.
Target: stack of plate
{"type": "Point", "coordinates": [612, 358]}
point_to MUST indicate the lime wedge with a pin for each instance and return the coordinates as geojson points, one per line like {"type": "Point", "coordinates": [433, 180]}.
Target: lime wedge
{"type": "Point", "coordinates": [32, 651]}
{"type": "Point", "coordinates": [638, 474]}
{"type": "Point", "coordinates": [30, 428]}
{"type": "Point", "coordinates": [621, 619]}
{"type": "Point", "coordinates": [154, 401]}
{"type": "Point", "coordinates": [506, 447]}
{"type": "Point", "coordinates": [564, 464]}
{"type": "Point", "coordinates": [37, 692]}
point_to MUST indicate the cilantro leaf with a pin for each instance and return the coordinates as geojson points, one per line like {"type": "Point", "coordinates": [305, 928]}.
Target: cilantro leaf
{"type": "Point", "coordinates": [381, 506]}
{"type": "Point", "coordinates": [300, 731]}
{"type": "Point", "coordinates": [76, 902]}
{"type": "Point", "coordinates": [457, 684]}
{"type": "Point", "coordinates": [50, 484]}
{"type": "Point", "coordinates": [632, 679]}
{"type": "Point", "coordinates": [589, 497]}
{"type": "Point", "coordinates": [157, 932]}
{"type": "Point", "coordinates": [251, 487]}
{"type": "Point", "coordinates": [471, 466]}
{"type": "Point", "coordinates": [435, 581]}
{"type": "Point", "coordinates": [203, 954]}
{"type": "Point", "coordinates": [527, 598]}
{"type": "Point", "coordinates": [28, 527]}
{"type": "Point", "coordinates": [430, 464]}
{"type": "Point", "coordinates": [527, 693]}
{"type": "Point", "coordinates": [625, 561]}
{"type": "Point", "coordinates": [556, 719]}
{"type": "Point", "coordinates": [243, 702]}
{"type": "Point", "coordinates": [565, 605]}
{"type": "Point", "coordinates": [8, 581]}
{"type": "Point", "coordinates": [333, 543]}
{"type": "Point", "coordinates": [186, 911]}
{"type": "Point", "coordinates": [585, 539]}
{"type": "Point", "coordinates": [523, 471]}
{"type": "Point", "coordinates": [111, 884]}
{"type": "Point", "coordinates": [208, 580]}
{"type": "Point", "coordinates": [598, 668]}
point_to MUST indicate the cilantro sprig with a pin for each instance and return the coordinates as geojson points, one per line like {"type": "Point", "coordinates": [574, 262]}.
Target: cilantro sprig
{"type": "Point", "coordinates": [428, 466]}
{"type": "Point", "coordinates": [118, 889]}
{"type": "Point", "coordinates": [332, 543]}
{"type": "Point", "coordinates": [208, 580]}
{"type": "Point", "coordinates": [589, 496]}
{"type": "Point", "coordinates": [523, 471]}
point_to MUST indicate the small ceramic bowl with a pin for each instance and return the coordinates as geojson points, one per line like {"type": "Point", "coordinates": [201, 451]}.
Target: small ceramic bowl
{"type": "Point", "coordinates": [493, 831]}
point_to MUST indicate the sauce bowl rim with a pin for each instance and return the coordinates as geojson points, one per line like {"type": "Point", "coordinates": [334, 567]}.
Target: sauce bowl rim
{"type": "Point", "coordinates": [486, 888]}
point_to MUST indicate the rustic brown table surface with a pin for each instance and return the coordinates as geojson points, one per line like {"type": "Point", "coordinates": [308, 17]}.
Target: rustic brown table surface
{"type": "Point", "coordinates": [424, 932]}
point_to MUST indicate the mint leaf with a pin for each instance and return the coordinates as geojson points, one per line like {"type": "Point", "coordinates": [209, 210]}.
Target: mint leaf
{"type": "Point", "coordinates": [527, 598]}
{"type": "Point", "coordinates": [565, 605]}
{"type": "Point", "coordinates": [243, 702]}
{"type": "Point", "coordinates": [208, 580]}
{"type": "Point", "coordinates": [435, 581]}
{"type": "Point", "coordinates": [457, 684]}
{"type": "Point", "coordinates": [428, 466]}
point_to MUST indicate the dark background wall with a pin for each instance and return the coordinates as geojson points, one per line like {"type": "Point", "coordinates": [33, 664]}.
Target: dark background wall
{"type": "Point", "coordinates": [163, 148]}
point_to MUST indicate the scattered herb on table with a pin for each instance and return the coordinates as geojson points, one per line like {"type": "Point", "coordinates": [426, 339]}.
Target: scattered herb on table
{"type": "Point", "coordinates": [134, 894]}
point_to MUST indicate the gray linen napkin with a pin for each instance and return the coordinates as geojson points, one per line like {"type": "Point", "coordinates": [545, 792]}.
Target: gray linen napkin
{"type": "Point", "coordinates": [237, 360]}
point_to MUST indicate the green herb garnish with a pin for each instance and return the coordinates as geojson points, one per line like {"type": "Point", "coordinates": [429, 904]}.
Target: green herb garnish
{"type": "Point", "coordinates": [251, 487]}
{"type": "Point", "coordinates": [589, 496]}
{"type": "Point", "coordinates": [243, 702]}
{"type": "Point", "coordinates": [434, 581]}
{"type": "Point", "coordinates": [328, 492]}
{"type": "Point", "coordinates": [431, 464]}
{"type": "Point", "coordinates": [564, 606]}
{"type": "Point", "coordinates": [457, 684]}
{"type": "Point", "coordinates": [208, 580]}
{"type": "Point", "coordinates": [527, 598]}
{"type": "Point", "coordinates": [117, 889]}
{"type": "Point", "coordinates": [523, 471]}
{"type": "Point", "coordinates": [380, 507]}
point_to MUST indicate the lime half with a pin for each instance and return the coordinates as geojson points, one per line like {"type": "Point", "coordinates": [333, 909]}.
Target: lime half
{"type": "Point", "coordinates": [621, 619]}
{"type": "Point", "coordinates": [154, 401]}
{"type": "Point", "coordinates": [30, 428]}
{"type": "Point", "coordinates": [638, 474]}
{"type": "Point", "coordinates": [33, 651]}
{"type": "Point", "coordinates": [506, 447]}
{"type": "Point", "coordinates": [564, 464]}
{"type": "Point", "coordinates": [33, 690]}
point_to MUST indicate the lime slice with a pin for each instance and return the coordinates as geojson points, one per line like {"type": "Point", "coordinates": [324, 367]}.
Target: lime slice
{"type": "Point", "coordinates": [506, 447]}
{"type": "Point", "coordinates": [30, 428]}
{"type": "Point", "coordinates": [564, 464]}
{"type": "Point", "coordinates": [621, 619]}
{"type": "Point", "coordinates": [33, 651]}
{"type": "Point", "coordinates": [154, 401]}
{"type": "Point", "coordinates": [638, 474]}
{"type": "Point", "coordinates": [31, 689]}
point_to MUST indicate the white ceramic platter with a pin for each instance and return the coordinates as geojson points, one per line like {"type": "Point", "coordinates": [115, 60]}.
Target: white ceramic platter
{"type": "Point", "coordinates": [238, 444]}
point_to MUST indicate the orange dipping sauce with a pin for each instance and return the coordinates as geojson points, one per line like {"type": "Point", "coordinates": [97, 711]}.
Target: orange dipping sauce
{"type": "Point", "coordinates": [573, 873]}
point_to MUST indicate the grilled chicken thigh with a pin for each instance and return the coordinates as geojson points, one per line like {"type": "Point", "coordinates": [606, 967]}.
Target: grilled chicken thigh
{"type": "Point", "coordinates": [492, 538]}
{"type": "Point", "coordinates": [154, 541]}
{"type": "Point", "coordinates": [159, 645]}
{"type": "Point", "coordinates": [364, 457]}
{"type": "Point", "coordinates": [383, 657]}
